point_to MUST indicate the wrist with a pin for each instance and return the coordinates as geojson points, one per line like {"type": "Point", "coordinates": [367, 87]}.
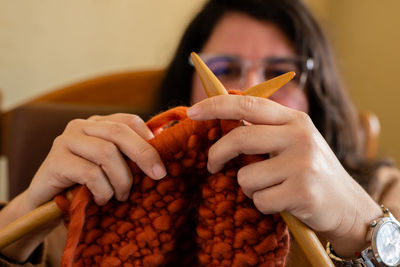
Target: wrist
{"type": "Point", "coordinates": [16, 208]}
{"type": "Point", "coordinates": [353, 240]}
{"type": "Point", "coordinates": [383, 249]}
{"type": "Point", "coordinates": [20, 250]}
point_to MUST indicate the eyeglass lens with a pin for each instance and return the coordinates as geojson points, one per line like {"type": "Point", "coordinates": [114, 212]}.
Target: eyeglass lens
{"type": "Point", "coordinates": [231, 70]}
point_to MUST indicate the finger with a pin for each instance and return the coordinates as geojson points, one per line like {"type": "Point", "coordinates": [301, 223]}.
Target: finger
{"type": "Point", "coordinates": [262, 174]}
{"type": "Point", "coordinates": [106, 155]}
{"type": "Point", "coordinates": [75, 169]}
{"type": "Point", "coordinates": [131, 144]}
{"type": "Point", "coordinates": [273, 199]}
{"type": "Point", "coordinates": [134, 122]}
{"type": "Point", "coordinates": [256, 110]}
{"type": "Point", "coordinates": [253, 139]}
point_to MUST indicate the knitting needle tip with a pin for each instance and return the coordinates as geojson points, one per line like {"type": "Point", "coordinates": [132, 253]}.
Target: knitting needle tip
{"type": "Point", "coordinates": [211, 84]}
{"type": "Point", "coordinates": [267, 88]}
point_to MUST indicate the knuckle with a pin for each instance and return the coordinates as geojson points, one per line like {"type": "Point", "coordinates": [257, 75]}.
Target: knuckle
{"type": "Point", "coordinates": [58, 141]}
{"type": "Point", "coordinates": [124, 185]}
{"type": "Point", "coordinates": [307, 167]}
{"type": "Point", "coordinates": [116, 129]}
{"type": "Point", "coordinates": [259, 202]}
{"type": "Point", "coordinates": [241, 134]}
{"type": "Point", "coordinates": [92, 179]}
{"type": "Point", "coordinates": [117, 117]}
{"type": "Point", "coordinates": [135, 120]}
{"type": "Point", "coordinates": [241, 178]}
{"type": "Point", "coordinates": [304, 137]}
{"type": "Point", "coordinates": [247, 104]}
{"type": "Point", "coordinates": [95, 117]}
{"type": "Point", "coordinates": [103, 196]}
{"type": "Point", "coordinates": [145, 151]}
{"type": "Point", "coordinates": [92, 174]}
{"type": "Point", "coordinates": [300, 115]}
{"type": "Point", "coordinates": [108, 193]}
{"type": "Point", "coordinates": [108, 150]}
{"type": "Point", "coordinates": [302, 118]}
{"type": "Point", "coordinates": [214, 104]}
{"type": "Point", "coordinates": [76, 123]}
{"type": "Point", "coordinates": [54, 166]}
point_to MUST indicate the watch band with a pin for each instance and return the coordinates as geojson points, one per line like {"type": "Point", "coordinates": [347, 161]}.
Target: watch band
{"type": "Point", "coordinates": [357, 262]}
{"type": "Point", "coordinates": [368, 257]}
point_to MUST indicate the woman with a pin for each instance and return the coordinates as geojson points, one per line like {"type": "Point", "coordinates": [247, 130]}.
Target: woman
{"type": "Point", "coordinates": [309, 124]}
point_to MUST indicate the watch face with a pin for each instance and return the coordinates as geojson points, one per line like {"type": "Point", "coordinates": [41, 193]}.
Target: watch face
{"type": "Point", "coordinates": [388, 243]}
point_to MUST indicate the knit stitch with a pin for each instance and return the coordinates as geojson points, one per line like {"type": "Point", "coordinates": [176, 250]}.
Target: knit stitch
{"type": "Point", "coordinates": [188, 218]}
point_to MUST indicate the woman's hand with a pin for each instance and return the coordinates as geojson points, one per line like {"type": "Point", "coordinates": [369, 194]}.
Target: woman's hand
{"type": "Point", "coordinates": [303, 176]}
{"type": "Point", "coordinates": [89, 152]}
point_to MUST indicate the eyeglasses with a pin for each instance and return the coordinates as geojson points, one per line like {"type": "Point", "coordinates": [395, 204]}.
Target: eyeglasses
{"type": "Point", "coordinates": [232, 70]}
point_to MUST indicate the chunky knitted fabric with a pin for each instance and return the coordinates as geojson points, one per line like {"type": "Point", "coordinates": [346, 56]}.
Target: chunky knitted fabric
{"type": "Point", "coordinates": [188, 218]}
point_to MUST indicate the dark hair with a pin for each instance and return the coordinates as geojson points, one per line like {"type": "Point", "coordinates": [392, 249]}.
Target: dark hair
{"type": "Point", "coordinates": [330, 107]}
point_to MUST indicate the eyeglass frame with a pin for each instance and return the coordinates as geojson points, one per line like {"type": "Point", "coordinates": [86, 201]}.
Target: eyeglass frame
{"type": "Point", "coordinates": [307, 64]}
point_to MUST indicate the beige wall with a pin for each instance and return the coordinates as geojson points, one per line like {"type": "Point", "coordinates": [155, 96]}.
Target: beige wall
{"type": "Point", "coordinates": [366, 35]}
{"type": "Point", "coordinates": [46, 44]}
{"type": "Point", "coordinates": [50, 43]}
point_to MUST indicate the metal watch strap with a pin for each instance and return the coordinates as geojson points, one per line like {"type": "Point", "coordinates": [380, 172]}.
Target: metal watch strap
{"type": "Point", "coordinates": [367, 257]}
{"type": "Point", "coordinates": [363, 261]}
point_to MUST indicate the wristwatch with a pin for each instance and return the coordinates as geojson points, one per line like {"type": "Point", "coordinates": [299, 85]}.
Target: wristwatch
{"type": "Point", "coordinates": [383, 238]}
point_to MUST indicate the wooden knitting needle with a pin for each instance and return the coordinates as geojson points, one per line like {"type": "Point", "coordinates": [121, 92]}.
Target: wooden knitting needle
{"type": "Point", "coordinates": [213, 87]}
{"type": "Point", "coordinates": [31, 221]}
{"type": "Point", "coordinates": [50, 211]}
{"type": "Point", "coordinates": [267, 88]}
{"type": "Point", "coordinates": [306, 237]}
{"type": "Point", "coordinates": [211, 84]}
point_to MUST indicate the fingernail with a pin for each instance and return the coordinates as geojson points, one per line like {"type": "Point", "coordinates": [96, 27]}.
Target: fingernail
{"type": "Point", "coordinates": [159, 171]}
{"type": "Point", "coordinates": [192, 112]}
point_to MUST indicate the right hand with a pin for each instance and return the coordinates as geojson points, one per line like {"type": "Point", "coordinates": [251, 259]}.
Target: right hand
{"type": "Point", "coordinates": [91, 152]}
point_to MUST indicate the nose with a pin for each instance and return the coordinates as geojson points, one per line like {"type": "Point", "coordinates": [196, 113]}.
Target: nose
{"type": "Point", "coordinates": [253, 77]}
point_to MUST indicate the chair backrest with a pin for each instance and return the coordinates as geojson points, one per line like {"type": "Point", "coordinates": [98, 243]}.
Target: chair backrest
{"type": "Point", "coordinates": [29, 130]}
{"type": "Point", "coordinates": [129, 89]}
{"type": "Point", "coordinates": [372, 129]}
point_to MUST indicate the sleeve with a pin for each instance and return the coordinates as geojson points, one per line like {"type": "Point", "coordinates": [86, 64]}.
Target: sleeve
{"type": "Point", "coordinates": [386, 189]}
{"type": "Point", "coordinates": [37, 259]}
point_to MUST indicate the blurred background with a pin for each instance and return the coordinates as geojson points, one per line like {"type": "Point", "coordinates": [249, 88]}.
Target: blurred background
{"type": "Point", "coordinates": [47, 44]}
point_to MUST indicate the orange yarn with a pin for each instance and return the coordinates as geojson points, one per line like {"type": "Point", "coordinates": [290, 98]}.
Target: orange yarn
{"type": "Point", "coordinates": [188, 218]}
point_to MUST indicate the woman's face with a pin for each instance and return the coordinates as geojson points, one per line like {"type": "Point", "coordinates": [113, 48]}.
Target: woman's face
{"type": "Point", "coordinates": [251, 41]}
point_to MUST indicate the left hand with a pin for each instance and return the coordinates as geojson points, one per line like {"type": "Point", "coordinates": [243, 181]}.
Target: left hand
{"type": "Point", "coordinates": [303, 177]}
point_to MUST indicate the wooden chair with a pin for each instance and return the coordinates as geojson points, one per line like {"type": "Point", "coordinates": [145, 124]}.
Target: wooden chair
{"type": "Point", "coordinates": [29, 129]}
{"type": "Point", "coordinates": [128, 89]}
{"type": "Point", "coordinates": [372, 129]}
